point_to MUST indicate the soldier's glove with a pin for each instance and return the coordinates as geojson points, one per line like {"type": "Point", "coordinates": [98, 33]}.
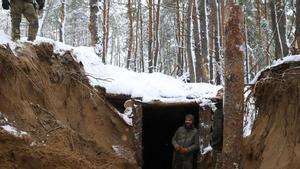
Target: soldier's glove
{"type": "Point", "coordinates": [177, 147]}
{"type": "Point", "coordinates": [5, 4]}
{"type": "Point", "coordinates": [183, 150]}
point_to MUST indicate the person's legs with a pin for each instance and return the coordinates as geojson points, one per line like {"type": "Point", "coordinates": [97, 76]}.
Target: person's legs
{"type": "Point", "coordinates": [217, 159]}
{"type": "Point", "coordinates": [31, 15]}
{"type": "Point", "coordinates": [16, 16]}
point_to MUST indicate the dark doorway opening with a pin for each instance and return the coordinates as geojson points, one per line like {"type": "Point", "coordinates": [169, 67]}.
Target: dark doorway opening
{"type": "Point", "coordinates": [159, 126]}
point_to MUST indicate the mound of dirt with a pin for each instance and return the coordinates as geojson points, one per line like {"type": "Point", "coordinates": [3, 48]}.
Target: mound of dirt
{"type": "Point", "coordinates": [275, 139]}
{"type": "Point", "coordinates": [69, 124]}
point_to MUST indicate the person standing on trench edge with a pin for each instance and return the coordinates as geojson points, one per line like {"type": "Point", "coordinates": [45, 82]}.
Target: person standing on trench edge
{"type": "Point", "coordinates": [217, 131]}
{"type": "Point", "coordinates": [185, 142]}
{"type": "Point", "coordinates": [28, 8]}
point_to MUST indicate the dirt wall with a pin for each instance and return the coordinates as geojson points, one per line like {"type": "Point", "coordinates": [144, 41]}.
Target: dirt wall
{"type": "Point", "coordinates": [69, 123]}
{"type": "Point", "coordinates": [275, 139]}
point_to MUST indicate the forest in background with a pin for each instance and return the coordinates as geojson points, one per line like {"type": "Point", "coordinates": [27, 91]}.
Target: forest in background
{"type": "Point", "coordinates": [183, 38]}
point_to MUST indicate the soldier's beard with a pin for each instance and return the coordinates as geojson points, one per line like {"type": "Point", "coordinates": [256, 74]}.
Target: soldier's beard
{"type": "Point", "coordinates": [188, 126]}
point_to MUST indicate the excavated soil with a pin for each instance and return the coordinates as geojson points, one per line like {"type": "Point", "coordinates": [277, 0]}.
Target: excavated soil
{"type": "Point", "coordinates": [275, 139]}
{"type": "Point", "coordinates": [69, 124]}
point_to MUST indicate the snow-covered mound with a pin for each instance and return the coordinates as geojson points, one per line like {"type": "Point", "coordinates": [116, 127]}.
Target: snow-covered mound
{"type": "Point", "coordinates": [287, 59]}
{"type": "Point", "coordinates": [155, 86]}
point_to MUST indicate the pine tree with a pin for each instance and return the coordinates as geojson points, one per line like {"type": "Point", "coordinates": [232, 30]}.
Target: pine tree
{"type": "Point", "coordinates": [234, 89]}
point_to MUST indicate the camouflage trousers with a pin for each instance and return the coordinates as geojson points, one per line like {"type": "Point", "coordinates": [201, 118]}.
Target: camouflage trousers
{"type": "Point", "coordinates": [217, 159]}
{"type": "Point", "coordinates": [26, 8]}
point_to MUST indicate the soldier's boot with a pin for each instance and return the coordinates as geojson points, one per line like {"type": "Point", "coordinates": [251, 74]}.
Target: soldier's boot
{"type": "Point", "coordinates": [219, 162]}
{"type": "Point", "coordinates": [31, 15]}
{"type": "Point", "coordinates": [217, 159]}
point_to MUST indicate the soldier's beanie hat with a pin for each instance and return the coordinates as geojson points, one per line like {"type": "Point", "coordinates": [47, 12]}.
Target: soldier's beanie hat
{"type": "Point", "coordinates": [190, 116]}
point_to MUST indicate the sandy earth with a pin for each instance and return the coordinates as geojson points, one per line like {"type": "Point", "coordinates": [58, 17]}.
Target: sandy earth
{"type": "Point", "coordinates": [275, 140]}
{"type": "Point", "coordinates": [69, 124]}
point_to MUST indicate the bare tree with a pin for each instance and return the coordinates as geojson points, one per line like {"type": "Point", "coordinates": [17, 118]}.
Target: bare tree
{"type": "Point", "coordinates": [204, 46]}
{"type": "Point", "coordinates": [178, 37]}
{"type": "Point", "coordinates": [211, 26]}
{"type": "Point", "coordinates": [93, 26]}
{"type": "Point", "coordinates": [188, 42]}
{"type": "Point", "coordinates": [196, 35]}
{"type": "Point", "coordinates": [279, 27]}
{"type": "Point", "coordinates": [106, 4]}
{"type": "Point", "coordinates": [220, 8]}
{"type": "Point", "coordinates": [62, 20]}
{"type": "Point", "coordinates": [137, 18]}
{"type": "Point", "coordinates": [234, 89]}
{"type": "Point", "coordinates": [150, 34]}
{"type": "Point", "coordinates": [156, 34]}
{"type": "Point", "coordinates": [141, 40]}
{"type": "Point", "coordinates": [130, 35]}
{"type": "Point", "coordinates": [297, 31]}
{"type": "Point", "coordinates": [41, 20]}
{"type": "Point", "coordinates": [214, 44]}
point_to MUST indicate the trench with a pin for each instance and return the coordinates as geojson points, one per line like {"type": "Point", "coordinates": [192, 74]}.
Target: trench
{"type": "Point", "coordinates": [159, 126]}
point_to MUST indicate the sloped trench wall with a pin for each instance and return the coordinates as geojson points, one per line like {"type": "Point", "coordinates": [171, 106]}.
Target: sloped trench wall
{"type": "Point", "coordinates": [68, 122]}
{"type": "Point", "coordinates": [275, 139]}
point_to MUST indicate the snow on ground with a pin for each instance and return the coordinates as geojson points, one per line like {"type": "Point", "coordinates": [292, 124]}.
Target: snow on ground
{"type": "Point", "coordinates": [4, 125]}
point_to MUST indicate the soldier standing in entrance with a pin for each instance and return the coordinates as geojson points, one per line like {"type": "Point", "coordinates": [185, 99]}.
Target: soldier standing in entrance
{"type": "Point", "coordinates": [186, 143]}
{"type": "Point", "coordinates": [217, 131]}
{"type": "Point", "coordinates": [28, 9]}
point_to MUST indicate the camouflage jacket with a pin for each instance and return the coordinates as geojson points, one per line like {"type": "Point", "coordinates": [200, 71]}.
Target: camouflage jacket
{"type": "Point", "coordinates": [187, 138]}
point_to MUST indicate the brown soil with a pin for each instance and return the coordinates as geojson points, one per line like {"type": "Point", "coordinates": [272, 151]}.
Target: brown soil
{"type": "Point", "coordinates": [275, 139]}
{"type": "Point", "coordinates": [70, 125]}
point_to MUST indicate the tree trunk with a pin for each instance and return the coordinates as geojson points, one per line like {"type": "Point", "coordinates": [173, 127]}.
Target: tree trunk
{"type": "Point", "coordinates": [183, 40]}
{"type": "Point", "coordinates": [178, 38]}
{"type": "Point", "coordinates": [297, 31]}
{"type": "Point", "coordinates": [234, 89]}
{"type": "Point", "coordinates": [105, 30]}
{"type": "Point", "coordinates": [188, 42]}
{"type": "Point", "coordinates": [130, 35]}
{"type": "Point", "coordinates": [221, 17]}
{"type": "Point", "coordinates": [150, 57]}
{"type": "Point", "coordinates": [62, 21]}
{"type": "Point", "coordinates": [156, 35]}
{"type": "Point", "coordinates": [45, 14]}
{"type": "Point", "coordinates": [219, 39]}
{"type": "Point", "coordinates": [196, 35]}
{"type": "Point", "coordinates": [204, 48]}
{"type": "Point", "coordinates": [141, 40]}
{"type": "Point", "coordinates": [279, 27]}
{"type": "Point", "coordinates": [93, 26]}
{"type": "Point", "coordinates": [211, 34]}
{"type": "Point", "coordinates": [137, 18]}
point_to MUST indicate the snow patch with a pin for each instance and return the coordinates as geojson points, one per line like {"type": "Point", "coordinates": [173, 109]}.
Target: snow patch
{"type": "Point", "coordinates": [124, 152]}
{"type": "Point", "coordinates": [206, 150]}
{"type": "Point", "coordinates": [12, 130]}
{"type": "Point", "coordinates": [250, 115]}
{"type": "Point", "coordinates": [6, 126]}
